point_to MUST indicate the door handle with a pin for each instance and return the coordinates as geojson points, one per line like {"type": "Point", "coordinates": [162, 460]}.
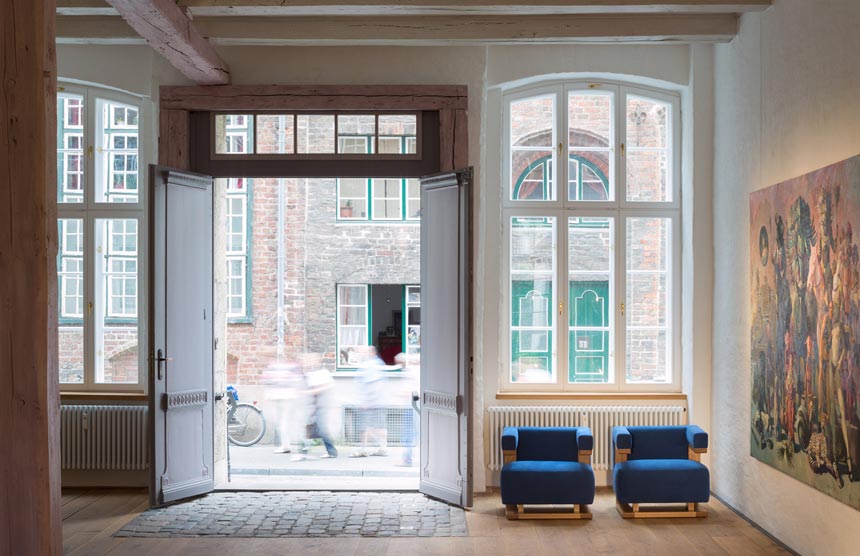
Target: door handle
{"type": "Point", "coordinates": [160, 359]}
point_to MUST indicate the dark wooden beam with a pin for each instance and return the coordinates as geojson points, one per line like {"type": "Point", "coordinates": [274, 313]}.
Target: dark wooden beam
{"type": "Point", "coordinates": [169, 31]}
{"type": "Point", "coordinates": [314, 97]}
{"type": "Point", "coordinates": [29, 379]}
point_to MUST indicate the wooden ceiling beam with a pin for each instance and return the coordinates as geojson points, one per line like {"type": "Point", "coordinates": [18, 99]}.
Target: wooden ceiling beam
{"type": "Point", "coordinates": [429, 7]}
{"type": "Point", "coordinates": [170, 32]}
{"type": "Point", "coordinates": [437, 30]}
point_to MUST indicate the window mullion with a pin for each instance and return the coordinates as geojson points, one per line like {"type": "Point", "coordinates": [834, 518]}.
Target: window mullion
{"type": "Point", "coordinates": [562, 306]}
{"type": "Point", "coordinates": [89, 293]}
{"type": "Point", "coordinates": [620, 300]}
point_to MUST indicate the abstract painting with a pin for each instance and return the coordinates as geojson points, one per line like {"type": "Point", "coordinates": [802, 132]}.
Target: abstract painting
{"type": "Point", "coordinates": [805, 329]}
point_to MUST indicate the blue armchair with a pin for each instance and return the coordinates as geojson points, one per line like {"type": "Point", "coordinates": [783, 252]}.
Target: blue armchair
{"type": "Point", "coordinates": [660, 465]}
{"type": "Point", "coordinates": [547, 465]}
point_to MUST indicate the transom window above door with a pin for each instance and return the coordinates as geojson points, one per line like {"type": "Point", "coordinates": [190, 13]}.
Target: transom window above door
{"type": "Point", "coordinates": [592, 239]}
{"type": "Point", "coordinates": [369, 135]}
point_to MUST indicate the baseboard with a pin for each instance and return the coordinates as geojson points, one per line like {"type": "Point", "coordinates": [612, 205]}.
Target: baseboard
{"type": "Point", "coordinates": [756, 525]}
{"type": "Point", "coordinates": [92, 479]}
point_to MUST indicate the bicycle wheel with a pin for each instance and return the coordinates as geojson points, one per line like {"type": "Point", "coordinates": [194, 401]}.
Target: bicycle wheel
{"type": "Point", "coordinates": [247, 426]}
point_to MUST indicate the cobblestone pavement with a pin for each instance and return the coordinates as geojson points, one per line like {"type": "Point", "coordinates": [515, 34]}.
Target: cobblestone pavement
{"type": "Point", "coordinates": [301, 514]}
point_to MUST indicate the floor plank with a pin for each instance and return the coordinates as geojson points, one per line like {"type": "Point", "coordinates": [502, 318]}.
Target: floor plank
{"type": "Point", "coordinates": [92, 516]}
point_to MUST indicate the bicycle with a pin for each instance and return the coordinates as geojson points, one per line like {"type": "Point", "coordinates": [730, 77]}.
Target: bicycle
{"type": "Point", "coordinates": [246, 423]}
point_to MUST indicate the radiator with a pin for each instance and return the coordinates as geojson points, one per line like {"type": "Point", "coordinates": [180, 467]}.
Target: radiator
{"type": "Point", "coordinates": [104, 437]}
{"type": "Point", "coordinates": [601, 419]}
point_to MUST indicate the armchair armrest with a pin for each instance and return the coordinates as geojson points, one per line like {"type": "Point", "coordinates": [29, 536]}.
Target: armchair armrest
{"type": "Point", "coordinates": [584, 444]}
{"type": "Point", "coordinates": [622, 442]}
{"type": "Point", "coordinates": [584, 439]}
{"type": "Point", "coordinates": [510, 439]}
{"type": "Point", "coordinates": [697, 438]}
{"type": "Point", "coordinates": [697, 442]}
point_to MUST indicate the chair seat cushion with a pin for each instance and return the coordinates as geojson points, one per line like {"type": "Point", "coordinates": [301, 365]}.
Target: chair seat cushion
{"type": "Point", "coordinates": [547, 482]}
{"type": "Point", "coordinates": [661, 481]}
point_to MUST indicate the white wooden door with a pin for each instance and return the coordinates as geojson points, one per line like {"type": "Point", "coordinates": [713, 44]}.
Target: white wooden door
{"type": "Point", "coordinates": [446, 356]}
{"type": "Point", "coordinates": [180, 382]}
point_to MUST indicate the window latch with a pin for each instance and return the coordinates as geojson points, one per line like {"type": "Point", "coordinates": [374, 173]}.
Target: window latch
{"type": "Point", "coordinates": [622, 310]}
{"type": "Point", "coordinates": [561, 308]}
{"type": "Point", "coordinates": [623, 150]}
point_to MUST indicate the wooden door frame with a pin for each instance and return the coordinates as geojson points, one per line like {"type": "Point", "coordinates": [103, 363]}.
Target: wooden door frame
{"type": "Point", "coordinates": [176, 103]}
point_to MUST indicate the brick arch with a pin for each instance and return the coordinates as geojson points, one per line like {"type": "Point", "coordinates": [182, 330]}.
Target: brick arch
{"type": "Point", "coordinates": [524, 162]}
{"type": "Point", "coordinates": [122, 363]}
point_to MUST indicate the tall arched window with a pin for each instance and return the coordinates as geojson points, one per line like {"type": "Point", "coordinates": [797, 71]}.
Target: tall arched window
{"type": "Point", "coordinates": [595, 239]}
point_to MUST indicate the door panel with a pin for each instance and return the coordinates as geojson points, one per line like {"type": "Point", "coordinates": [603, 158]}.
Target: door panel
{"type": "Point", "coordinates": [446, 337]}
{"type": "Point", "coordinates": [181, 347]}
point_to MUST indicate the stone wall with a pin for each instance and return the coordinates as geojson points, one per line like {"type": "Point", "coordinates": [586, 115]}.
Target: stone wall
{"type": "Point", "coordinates": [320, 253]}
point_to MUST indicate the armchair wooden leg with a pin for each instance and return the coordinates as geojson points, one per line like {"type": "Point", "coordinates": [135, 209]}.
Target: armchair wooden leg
{"type": "Point", "coordinates": [634, 511]}
{"type": "Point", "coordinates": [518, 511]}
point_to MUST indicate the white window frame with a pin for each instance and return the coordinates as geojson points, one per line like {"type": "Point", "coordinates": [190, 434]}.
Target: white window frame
{"type": "Point", "coordinates": [618, 209]}
{"type": "Point", "coordinates": [242, 255]}
{"type": "Point", "coordinates": [67, 152]}
{"type": "Point", "coordinates": [338, 326]}
{"type": "Point", "coordinates": [385, 199]}
{"type": "Point", "coordinates": [96, 295]}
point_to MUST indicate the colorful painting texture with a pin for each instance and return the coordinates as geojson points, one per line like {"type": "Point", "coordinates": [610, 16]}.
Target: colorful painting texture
{"type": "Point", "coordinates": [805, 329]}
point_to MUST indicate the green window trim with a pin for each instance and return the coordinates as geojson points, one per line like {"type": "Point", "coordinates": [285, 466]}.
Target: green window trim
{"type": "Point", "coordinates": [368, 197]}
{"type": "Point", "coordinates": [546, 160]}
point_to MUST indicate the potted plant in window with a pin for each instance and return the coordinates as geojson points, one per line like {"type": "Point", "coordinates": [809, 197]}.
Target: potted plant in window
{"type": "Point", "coordinates": [346, 210]}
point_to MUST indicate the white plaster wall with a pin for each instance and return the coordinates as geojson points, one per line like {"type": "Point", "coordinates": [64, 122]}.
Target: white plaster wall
{"type": "Point", "coordinates": [786, 103]}
{"type": "Point", "coordinates": [485, 70]}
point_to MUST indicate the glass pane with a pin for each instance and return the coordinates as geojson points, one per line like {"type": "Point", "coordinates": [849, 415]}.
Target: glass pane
{"type": "Point", "coordinates": [275, 134]}
{"type": "Point", "coordinates": [590, 276]}
{"type": "Point", "coordinates": [356, 124]}
{"type": "Point", "coordinates": [351, 323]}
{"type": "Point", "coordinates": [533, 297]}
{"type": "Point", "coordinates": [648, 304]}
{"type": "Point", "coordinates": [648, 176]}
{"type": "Point", "coordinates": [70, 148]}
{"type": "Point", "coordinates": [649, 148]}
{"type": "Point", "coordinates": [115, 304]}
{"type": "Point", "coordinates": [234, 133]}
{"type": "Point", "coordinates": [315, 133]}
{"type": "Point", "coordinates": [534, 178]}
{"type": "Point", "coordinates": [398, 134]}
{"type": "Point", "coordinates": [387, 199]}
{"type": "Point", "coordinates": [352, 198]}
{"type": "Point", "coordinates": [532, 132]}
{"type": "Point", "coordinates": [70, 291]}
{"type": "Point", "coordinates": [413, 199]}
{"type": "Point", "coordinates": [116, 153]}
{"type": "Point", "coordinates": [590, 137]}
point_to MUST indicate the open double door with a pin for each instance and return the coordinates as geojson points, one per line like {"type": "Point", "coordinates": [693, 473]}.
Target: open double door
{"type": "Point", "coordinates": [181, 340]}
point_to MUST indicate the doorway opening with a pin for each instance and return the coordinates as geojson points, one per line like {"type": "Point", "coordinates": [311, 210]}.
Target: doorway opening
{"type": "Point", "coordinates": [317, 290]}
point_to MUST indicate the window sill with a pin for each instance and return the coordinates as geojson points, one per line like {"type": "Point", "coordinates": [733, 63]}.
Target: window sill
{"type": "Point", "coordinates": [614, 396]}
{"type": "Point", "coordinates": [124, 396]}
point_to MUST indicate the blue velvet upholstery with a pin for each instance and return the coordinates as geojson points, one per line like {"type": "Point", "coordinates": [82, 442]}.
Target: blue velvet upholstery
{"type": "Point", "coordinates": [663, 481]}
{"type": "Point", "coordinates": [696, 437]}
{"type": "Point", "coordinates": [657, 469]}
{"type": "Point", "coordinates": [547, 470]}
{"type": "Point", "coordinates": [621, 438]}
{"type": "Point", "coordinates": [547, 482]}
{"type": "Point", "coordinates": [509, 438]}
{"type": "Point", "coordinates": [548, 443]}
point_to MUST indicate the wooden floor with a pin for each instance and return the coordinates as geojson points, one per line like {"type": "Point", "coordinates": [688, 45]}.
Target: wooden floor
{"type": "Point", "coordinates": [91, 516]}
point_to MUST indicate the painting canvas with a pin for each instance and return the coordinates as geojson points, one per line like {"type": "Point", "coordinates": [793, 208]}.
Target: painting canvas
{"type": "Point", "coordinates": [805, 329]}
